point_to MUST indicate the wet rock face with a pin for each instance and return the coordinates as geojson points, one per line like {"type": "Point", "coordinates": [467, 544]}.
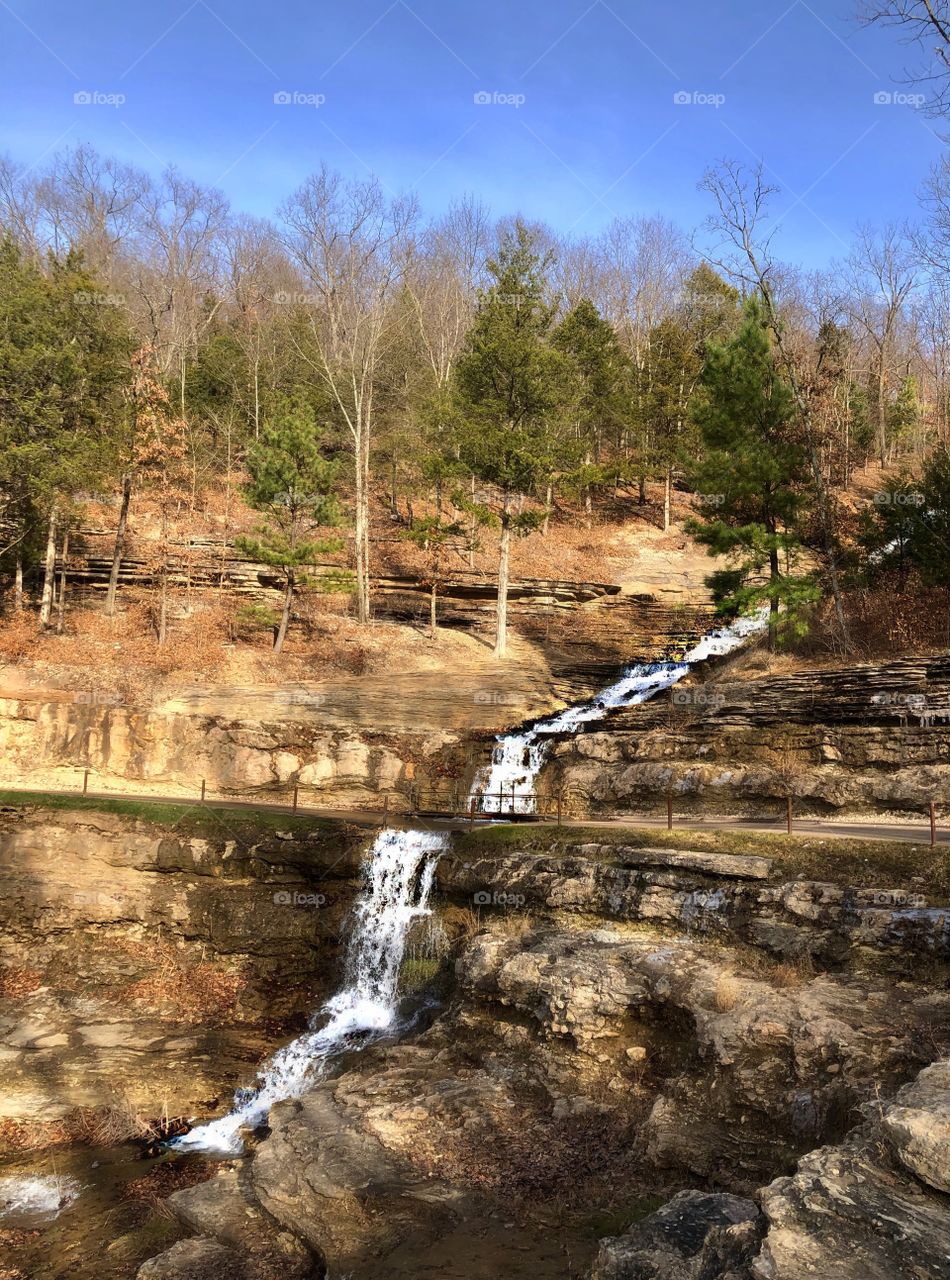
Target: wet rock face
{"type": "Point", "coordinates": [695, 1236]}
{"type": "Point", "coordinates": [868, 738]}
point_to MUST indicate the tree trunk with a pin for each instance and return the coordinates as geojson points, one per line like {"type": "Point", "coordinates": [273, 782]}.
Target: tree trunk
{"type": "Point", "coordinates": [667, 497]}
{"type": "Point", "coordinates": [501, 611]}
{"type": "Point", "coordinates": [285, 615]}
{"type": "Point", "coordinates": [773, 603]}
{"type": "Point", "coordinates": [163, 608]}
{"type": "Point", "coordinates": [548, 499]}
{"type": "Point", "coordinates": [18, 579]}
{"type": "Point", "coordinates": [119, 549]}
{"type": "Point", "coordinates": [362, 524]}
{"type": "Point", "coordinates": [61, 603]}
{"type": "Point", "coordinates": [433, 618]}
{"type": "Point", "coordinates": [642, 498]}
{"type": "Point", "coordinates": [49, 568]}
{"type": "Point", "coordinates": [474, 530]}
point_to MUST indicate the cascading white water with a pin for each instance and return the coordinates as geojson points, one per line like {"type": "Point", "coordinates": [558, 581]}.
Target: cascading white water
{"type": "Point", "coordinates": [38, 1198]}
{"type": "Point", "coordinates": [508, 783]}
{"type": "Point", "coordinates": [398, 875]}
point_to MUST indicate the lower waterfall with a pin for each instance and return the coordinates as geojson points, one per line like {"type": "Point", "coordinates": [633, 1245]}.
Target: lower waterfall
{"type": "Point", "coordinates": [398, 881]}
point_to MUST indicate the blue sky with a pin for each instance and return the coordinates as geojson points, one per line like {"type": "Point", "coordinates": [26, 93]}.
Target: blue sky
{"type": "Point", "coordinates": [582, 122]}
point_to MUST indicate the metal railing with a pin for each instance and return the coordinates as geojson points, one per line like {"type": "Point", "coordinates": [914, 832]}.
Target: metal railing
{"type": "Point", "coordinates": [444, 800]}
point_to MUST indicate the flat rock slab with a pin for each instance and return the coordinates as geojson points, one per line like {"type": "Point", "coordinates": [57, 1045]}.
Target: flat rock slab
{"type": "Point", "coordinates": [197, 1259]}
{"type": "Point", "coordinates": [731, 866]}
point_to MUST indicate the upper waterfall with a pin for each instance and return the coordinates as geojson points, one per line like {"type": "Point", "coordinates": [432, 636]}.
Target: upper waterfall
{"type": "Point", "coordinates": [508, 783]}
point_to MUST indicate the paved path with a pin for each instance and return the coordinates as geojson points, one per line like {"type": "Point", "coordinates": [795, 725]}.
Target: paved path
{"type": "Point", "coordinates": [912, 832]}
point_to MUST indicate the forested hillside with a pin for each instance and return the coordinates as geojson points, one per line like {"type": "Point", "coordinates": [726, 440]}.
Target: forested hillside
{"type": "Point", "coordinates": [355, 390]}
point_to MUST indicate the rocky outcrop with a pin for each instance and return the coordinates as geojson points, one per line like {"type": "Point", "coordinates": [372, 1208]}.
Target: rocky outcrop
{"type": "Point", "coordinates": [917, 1125]}
{"type": "Point", "coordinates": [861, 738]}
{"type": "Point", "coordinates": [708, 895]}
{"type": "Point", "coordinates": [848, 1212]}
{"type": "Point", "coordinates": [146, 962]}
{"type": "Point", "coordinates": [695, 1236]}
{"type": "Point", "coordinates": [744, 1073]}
{"type": "Point", "coordinates": [349, 769]}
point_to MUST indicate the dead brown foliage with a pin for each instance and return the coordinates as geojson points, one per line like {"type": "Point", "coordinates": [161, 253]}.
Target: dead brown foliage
{"type": "Point", "coordinates": [192, 992]}
{"type": "Point", "coordinates": [18, 981]}
{"type": "Point", "coordinates": [19, 634]}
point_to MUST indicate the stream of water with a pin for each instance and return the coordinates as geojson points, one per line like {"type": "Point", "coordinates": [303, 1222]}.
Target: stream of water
{"type": "Point", "coordinates": [398, 882]}
{"type": "Point", "coordinates": [508, 783]}
{"type": "Point", "coordinates": [398, 876]}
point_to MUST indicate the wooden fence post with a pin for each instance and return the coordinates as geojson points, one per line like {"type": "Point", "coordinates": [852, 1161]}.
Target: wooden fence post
{"type": "Point", "coordinates": [933, 824]}
{"type": "Point", "coordinates": [471, 812]}
{"type": "Point", "coordinates": [669, 810]}
{"type": "Point", "coordinates": [85, 781]}
{"type": "Point", "coordinates": [296, 789]}
{"type": "Point", "coordinates": [202, 788]}
{"type": "Point", "coordinates": [559, 808]}
{"type": "Point", "coordinates": [788, 814]}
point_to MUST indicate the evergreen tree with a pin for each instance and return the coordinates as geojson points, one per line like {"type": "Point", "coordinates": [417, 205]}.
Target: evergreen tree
{"type": "Point", "coordinates": [511, 385]}
{"type": "Point", "coordinates": [291, 483]}
{"type": "Point", "coordinates": [602, 394]}
{"type": "Point", "coordinates": [751, 477]}
{"type": "Point", "coordinates": [63, 364]}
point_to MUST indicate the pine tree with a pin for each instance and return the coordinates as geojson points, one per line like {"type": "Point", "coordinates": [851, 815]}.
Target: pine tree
{"type": "Point", "coordinates": [511, 384]}
{"type": "Point", "coordinates": [291, 483]}
{"type": "Point", "coordinates": [600, 411]}
{"type": "Point", "coordinates": [63, 363]}
{"type": "Point", "coordinates": [752, 475]}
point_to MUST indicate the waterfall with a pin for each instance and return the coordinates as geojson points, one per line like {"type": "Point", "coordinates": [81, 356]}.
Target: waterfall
{"type": "Point", "coordinates": [508, 783]}
{"type": "Point", "coordinates": [398, 878]}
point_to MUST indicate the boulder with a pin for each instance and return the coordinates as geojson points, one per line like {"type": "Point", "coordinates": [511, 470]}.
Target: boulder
{"type": "Point", "coordinates": [696, 1236]}
{"type": "Point", "coordinates": [917, 1123]}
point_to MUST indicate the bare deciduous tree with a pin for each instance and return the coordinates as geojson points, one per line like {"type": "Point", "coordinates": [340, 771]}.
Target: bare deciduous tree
{"type": "Point", "coordinates": [925, 23]}
{"type": "Point", "coordinates": [350, 243]}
